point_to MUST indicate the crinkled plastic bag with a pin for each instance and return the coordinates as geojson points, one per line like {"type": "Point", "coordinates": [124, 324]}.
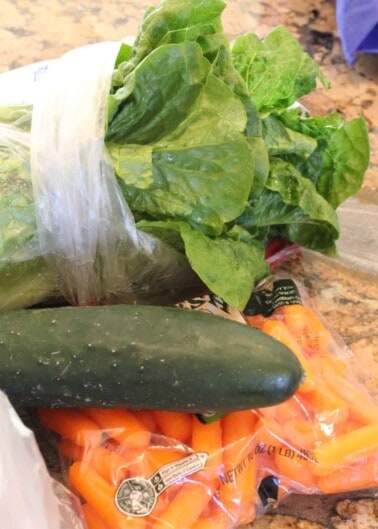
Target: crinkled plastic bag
{"type": "Point", "coordinates": [159, 468]}
{"type": "Point", "coordinates": [170, 469]}
{"type": "Point", "coordinates": [324, 439]}
{"type": "Point", "coordinates": [29, 497]}
{"type": "Point", "coordinates": [64, 218]}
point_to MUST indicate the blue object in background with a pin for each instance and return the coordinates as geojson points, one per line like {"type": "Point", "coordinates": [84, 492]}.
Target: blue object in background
{"type": "Point", "coordinates": [357, 21]}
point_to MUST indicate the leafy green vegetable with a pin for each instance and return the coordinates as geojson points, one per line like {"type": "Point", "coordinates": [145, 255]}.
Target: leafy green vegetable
{"type": "Point", "coordinates": [276, 70]}
{"type": "Point", "coordinates": [213, 259]}
{"type": "Point", "coordinates": [341, 158]}
{"type": "Point", "coordinates": [209, 151]}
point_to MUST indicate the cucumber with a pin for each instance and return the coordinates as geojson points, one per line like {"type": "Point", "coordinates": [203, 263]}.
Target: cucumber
{"type": "Point", "coordinates": [141, 357]}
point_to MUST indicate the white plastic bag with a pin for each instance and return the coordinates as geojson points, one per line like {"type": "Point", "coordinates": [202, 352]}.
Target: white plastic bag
{"type": "Point", "coordinates": [29, 497]}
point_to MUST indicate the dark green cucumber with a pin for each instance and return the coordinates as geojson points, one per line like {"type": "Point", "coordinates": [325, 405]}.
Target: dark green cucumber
{"type": "Point", "coordinates": [141, 357]}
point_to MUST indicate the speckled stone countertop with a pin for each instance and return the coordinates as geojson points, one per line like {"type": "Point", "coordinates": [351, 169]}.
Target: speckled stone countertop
{"type": "Point", "coordinates": [346, 294]}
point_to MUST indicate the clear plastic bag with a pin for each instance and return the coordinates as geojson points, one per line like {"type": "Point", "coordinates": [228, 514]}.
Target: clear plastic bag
{"type": "Point", "coordinates": [156, 468]}
{"type": "Point", "coordinates": [324, 439]}
{"type": "Point", "coordinates": [29, 497]}
{"type": "Point", "coordinates": [63, 215]}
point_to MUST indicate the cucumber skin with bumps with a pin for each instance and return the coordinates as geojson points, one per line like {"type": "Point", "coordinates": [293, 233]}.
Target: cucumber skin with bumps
{"type": "Point", "coordinates": [141, 357]}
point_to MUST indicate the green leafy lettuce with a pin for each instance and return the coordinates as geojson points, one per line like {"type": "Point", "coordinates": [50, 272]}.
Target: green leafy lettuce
{"type": "Point", "coordinates": [211, 153]}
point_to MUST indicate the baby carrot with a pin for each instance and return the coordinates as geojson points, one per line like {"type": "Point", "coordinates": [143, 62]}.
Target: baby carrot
{"type": "Point", "coordinates": [291, 409]}
{"type": "Point", "coordinates": [136, 461]}
{"type": "Point", "coordinates": [297, 470]}
{"type": "Point", "coordinates": [278, 330]}
{"type": "Point", "coordinates": [357, 476]}
{"type": "Point", "coordinates": [174, 425]}
{"type": "Point", "coordinates": [349, 446]}
{"type": "Point", "coordinates": [157, 456]}
{"type": "Point", "coordinates": [122, 425]}
{"type": "Point", "coordinates": [237, 492]}
{"type": "Point", "coordinates": [147, 418]}
{"type": "Point", "coordinates": [186, 507]}
{"type": "Point", "coordinates": [162, 502]}
{"type": "Point", "coordinates": [108, 463]}
{"type": "Point", "coordinates": [100, 496]}
{"type": "Point", "coordinates": [92, 518]}
{"type": "Point", "coordinates": [361, 406]}
{"type": "Point", "coordinates": [333, 364]}
{"type": "Point", "coordinates": [301, 434]}
{"type": "Point", "coordinates": [208, 438]}
{"type": "Point", "coordinates": [70, 450]}
{"type": "Point", "coordinates": [307, 328]}
{"type": "Point", "coordinates": [71, 424]}
{"type": "Point", "coordinates": [325, 402]}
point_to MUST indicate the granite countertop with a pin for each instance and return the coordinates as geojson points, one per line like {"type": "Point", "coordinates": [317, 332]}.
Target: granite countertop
{"type": "Point", "coordinates": [345, 292]}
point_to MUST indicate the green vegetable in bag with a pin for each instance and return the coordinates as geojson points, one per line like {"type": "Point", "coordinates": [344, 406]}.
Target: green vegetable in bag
{"type": "Point", "coordinates": [209, 152]}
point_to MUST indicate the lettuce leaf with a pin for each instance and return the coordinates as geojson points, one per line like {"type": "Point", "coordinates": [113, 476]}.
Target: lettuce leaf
{"type": "Point", "coordinates": [215, 259]}
{"type": "Point", "coordinates": [276, 70]}
{"type": "Point", "coordinates": [338, 165]}
{"type": "Point", "coordinates": [212, 150]}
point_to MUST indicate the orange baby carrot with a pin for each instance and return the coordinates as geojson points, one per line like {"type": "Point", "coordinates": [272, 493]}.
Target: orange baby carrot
{"type": "Point", "coordinates": [162, 503]}
{"type": "Point", "coordinates": [278, 330]}
{"type": "Point", "coordinates": [361, 405]}
{"type": "Point", "coordinates": [122, 425]}
{"type": "Point", "coordinates": [71, 424]}
{"type": "Point", "coordinates": [307, 328]}
{"type": "Point", "coordinates": [325, 402]}
{"type": "Point", "coordinates": [70, 450]}
{"type": "Point", "coordinates": [300, 433]}
{"type": "Point", "coordinates": [208, 438]}
{"type": "Point", "coordinates": [333, 364]}
{"type": "Point", "coordinates": [349, 446]}
{"type": "Point", "coordinates": [100, 495]}
{"type": "Point", "coordinates": [186, 507]}
{"type": "Point", "coordinates": [357, 476]}
{"type": "Point", "coordinates": [108, 463]}
{"type": "Point", "coordinates": [147, 418]}
{"type": "Point", "coordinates": [291, 409]}
{"type": "Point", "coordinates": [158, 456]}
{"type": "Point", "coordinates": [174, 425]}
{"type": "Point", "coordinates": [92, 518]}
{"type": "Point", "coordinates": [238, 489]}
{"type": "Point", "coordinates": [136, 461]}
{"type": "Point", "coordinates": [296, 469]}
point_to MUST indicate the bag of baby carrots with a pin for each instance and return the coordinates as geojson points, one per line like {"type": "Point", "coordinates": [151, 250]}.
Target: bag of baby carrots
{"type": "Point", "coordinates": [324, 439]}
{"type": "Point", "coordinates": [153, 469]}
{"type": "Point", "coordinates": [159, 469]}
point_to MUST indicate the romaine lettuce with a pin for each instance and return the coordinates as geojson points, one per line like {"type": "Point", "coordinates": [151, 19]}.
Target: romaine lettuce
{"type": "Point", "coordinates": [209, 152]}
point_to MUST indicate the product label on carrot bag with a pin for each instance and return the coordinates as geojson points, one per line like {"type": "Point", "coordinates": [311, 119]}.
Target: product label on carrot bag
{"type": "Point", "coordinates": [137, 496]}
{"type": "Point", "coordinates": [266, 301]}
{"type": "Point", "coordinates": [214, 305]}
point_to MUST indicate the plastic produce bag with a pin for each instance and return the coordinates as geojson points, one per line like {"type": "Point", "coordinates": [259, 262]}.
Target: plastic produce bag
{"type": "Point", "coordinates": [29, 497]}
{"type": "Point", "coordinates": [358, 26]}
{"type": "Point", "coordinates": [167, 469]}
{"type": "Point", "coordinates": [67, 228]}
{"type": "Point", "coordinates": [324, 439]}
{"type": "Point", "coordinates": [155, 468]}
